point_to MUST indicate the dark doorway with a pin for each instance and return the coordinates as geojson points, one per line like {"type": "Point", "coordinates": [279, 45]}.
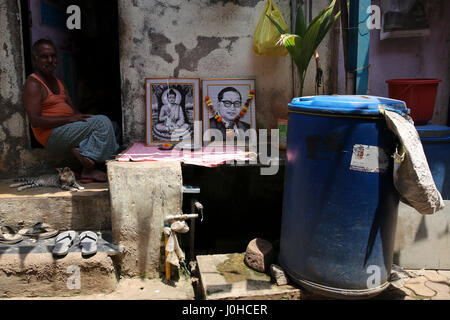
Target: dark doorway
{"type": "Point", "coordinates": [239, 204]}
{"type": "Point", "coordinates": [88, 59]}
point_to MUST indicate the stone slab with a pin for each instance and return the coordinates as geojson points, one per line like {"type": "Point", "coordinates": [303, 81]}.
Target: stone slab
{"type": "Point", "coordinates": [87, 209]}
{"type": "Point", "coordinates": [417, 285]}
{"type": "Point", "coordinates": [252, 285]}
{"type": "Point", "coordinates": [142, 195]}
{"type": "Point", "coordinates": [434, 276]}
{"type": "Point", "coordinates": [41, 275]}
{"type": "Point", "coordinates": [422, 241]}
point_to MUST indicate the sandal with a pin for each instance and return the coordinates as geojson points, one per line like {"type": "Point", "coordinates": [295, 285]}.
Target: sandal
{"type": "Point", "coordinates": [39, 231]}
{"type": "Point", "coordinates": [63, 242]}
{"type": "Point", "coordinates": [9, 236]}
{"type": "Point", "coordinates": [88, 243]}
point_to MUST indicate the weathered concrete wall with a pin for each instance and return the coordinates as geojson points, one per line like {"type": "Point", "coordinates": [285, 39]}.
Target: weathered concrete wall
{"type": "Point", "coordinates": [422, 241]}
{"type": "Point", "coordinates": [41, 275]}
{"type": "Point", "coordinates": [205, 39]}
{"type": "Point", "coordinates": [327, 53]}
{"type": "Point", "coordinates": [13, 134]}
{"type": "Point", "coordinates": [87, 209]}
{"type": "Point", "coordinates": [142, 195]}
{"type": "Point", "coordinates": [16, 155]}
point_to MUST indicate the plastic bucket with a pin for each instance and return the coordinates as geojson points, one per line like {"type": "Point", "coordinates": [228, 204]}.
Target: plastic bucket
{"type": "Point", "coordinates": [419, 95]}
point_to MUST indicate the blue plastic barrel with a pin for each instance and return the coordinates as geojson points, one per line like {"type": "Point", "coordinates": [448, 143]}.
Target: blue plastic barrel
{"type": "Point", "coordinates": [340, 204]}
{"type": "Point", "coordinates": [436, 144]}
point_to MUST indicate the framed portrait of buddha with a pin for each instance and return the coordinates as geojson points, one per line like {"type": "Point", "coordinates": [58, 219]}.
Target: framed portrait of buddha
{"type": "Point", "coordinates": [172, 111]}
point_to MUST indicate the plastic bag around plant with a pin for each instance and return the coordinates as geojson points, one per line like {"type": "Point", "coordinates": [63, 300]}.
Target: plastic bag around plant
{"type": "Point", "coordinates": [267, 35]}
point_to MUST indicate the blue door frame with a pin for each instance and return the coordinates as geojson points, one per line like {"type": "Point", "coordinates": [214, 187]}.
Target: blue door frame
{"type": "Point", "coordinates": [359, 44]}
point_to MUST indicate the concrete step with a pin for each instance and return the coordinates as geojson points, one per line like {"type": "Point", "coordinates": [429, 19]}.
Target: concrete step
{"type": "Point", "coordinates": [87, 209]}
{"type": "Point", "coordinates": [28, 269]}
{"type": "Point", "coordinates": [135, 289]}
{"type": "Point", "coordinates": [226, 277]}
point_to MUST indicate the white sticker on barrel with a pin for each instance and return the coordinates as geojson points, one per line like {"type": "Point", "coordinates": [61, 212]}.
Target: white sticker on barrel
{"type": "Point", "coordinates": [369, 159]}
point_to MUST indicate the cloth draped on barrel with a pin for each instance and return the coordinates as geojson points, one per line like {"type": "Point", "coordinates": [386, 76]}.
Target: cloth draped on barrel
{"type": "Point", "coordinates": [412, 176]}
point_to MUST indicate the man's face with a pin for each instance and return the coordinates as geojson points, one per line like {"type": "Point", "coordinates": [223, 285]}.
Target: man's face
{"type": "Point", "coordinates": [171, 98]}
{"type": "Point", "coordinates": [230, 106]}
{"type": "Point", "coordinates": [46, 59]}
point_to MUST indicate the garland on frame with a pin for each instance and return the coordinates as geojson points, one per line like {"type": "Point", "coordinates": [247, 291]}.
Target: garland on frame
{"type": "Point", "coordinates": [242, 113]}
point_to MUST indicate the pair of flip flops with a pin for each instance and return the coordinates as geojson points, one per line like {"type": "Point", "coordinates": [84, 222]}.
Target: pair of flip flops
{"type": "Point", "coordinates": [39, 231]}
{"type": "Point", "coordinates": [65, 240]}
{"type": "Point", "coordinates": [9, 236]}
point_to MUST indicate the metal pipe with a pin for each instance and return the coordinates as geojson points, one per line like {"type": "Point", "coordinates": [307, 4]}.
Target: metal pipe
{"type": "Point", "coordinates": [170, 218]}
{"type": "Point", "coordinates": [166, 239]}
{"type": "Point", "coordinates": [195, 204]}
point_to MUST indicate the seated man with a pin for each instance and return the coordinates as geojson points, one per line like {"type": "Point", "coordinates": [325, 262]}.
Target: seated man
{"type": "Point", "coordinates": [171, 117]}
{"type": "Point", "coordinates": [57, 125]}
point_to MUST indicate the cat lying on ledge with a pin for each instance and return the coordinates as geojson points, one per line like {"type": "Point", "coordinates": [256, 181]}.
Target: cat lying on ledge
{"type": "Point", "coordinates": [64, 179]}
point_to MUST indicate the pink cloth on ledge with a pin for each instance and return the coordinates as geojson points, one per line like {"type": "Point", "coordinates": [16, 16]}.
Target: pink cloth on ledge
{"type": "Point", "coordinates": [206, 157]}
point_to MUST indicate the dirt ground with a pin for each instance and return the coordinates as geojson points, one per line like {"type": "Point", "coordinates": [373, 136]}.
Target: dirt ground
{"type": "Point", "coordinates": [138, 289]}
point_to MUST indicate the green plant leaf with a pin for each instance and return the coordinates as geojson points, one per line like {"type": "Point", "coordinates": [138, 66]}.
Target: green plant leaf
{"type": "Point", "coordinates": [280, 29]}
{"type": "Point", "coordinates": [328, 27]}
{"type": "Point", "coordinates": [314, 35]}
{"type": "Point", "coordinates": [309, 43]}
{"type": "Point", "coordinates": [324, 23]}
{"type": "Point", "coordinates": [300, 22]}
{"type": "Point", "coordinates": [302, 45]}
{"type": "Point", "coordinates": [292, 42]}
{"type": "Point", "coordinates": [321, 13]}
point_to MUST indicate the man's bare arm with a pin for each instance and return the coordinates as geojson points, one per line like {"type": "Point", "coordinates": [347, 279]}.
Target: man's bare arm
{"type": "Point", "coordinates": [32, 98]}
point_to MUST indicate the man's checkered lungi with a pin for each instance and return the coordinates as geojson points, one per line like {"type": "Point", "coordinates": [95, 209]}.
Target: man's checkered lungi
{"type": "Point", "coordinates": [94, 138]}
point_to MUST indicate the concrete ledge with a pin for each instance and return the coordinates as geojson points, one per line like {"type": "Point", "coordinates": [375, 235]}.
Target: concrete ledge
{"type": "Point", "coordinates": [422, 241]}
{"type": "Point", "coordinates": [40, 275]}
{"type": "Point", "coordinates": [136, 289]}
{"type": "Point", "coordinates": [241, 283]}
{"type": "Point", "coordinates": [87, 209]}
{"type": "Point", "coordinates": [142, 195]}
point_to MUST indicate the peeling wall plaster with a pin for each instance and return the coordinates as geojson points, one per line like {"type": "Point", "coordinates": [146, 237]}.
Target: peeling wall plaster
{"type": "Point", "coordinates": [12, 118]}
{"type": "Point", "coordinates": [176, 38]}
{"type": "Point", "coordinates": [205, 39]}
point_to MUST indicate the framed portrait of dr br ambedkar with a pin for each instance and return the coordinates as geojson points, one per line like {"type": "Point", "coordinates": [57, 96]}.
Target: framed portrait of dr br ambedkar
{"type": "Point", "coordinates": [229, 116]}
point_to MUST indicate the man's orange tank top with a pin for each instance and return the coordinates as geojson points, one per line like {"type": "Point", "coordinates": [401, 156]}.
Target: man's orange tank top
{"type": "Point", "coordinates": [54, 105]}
